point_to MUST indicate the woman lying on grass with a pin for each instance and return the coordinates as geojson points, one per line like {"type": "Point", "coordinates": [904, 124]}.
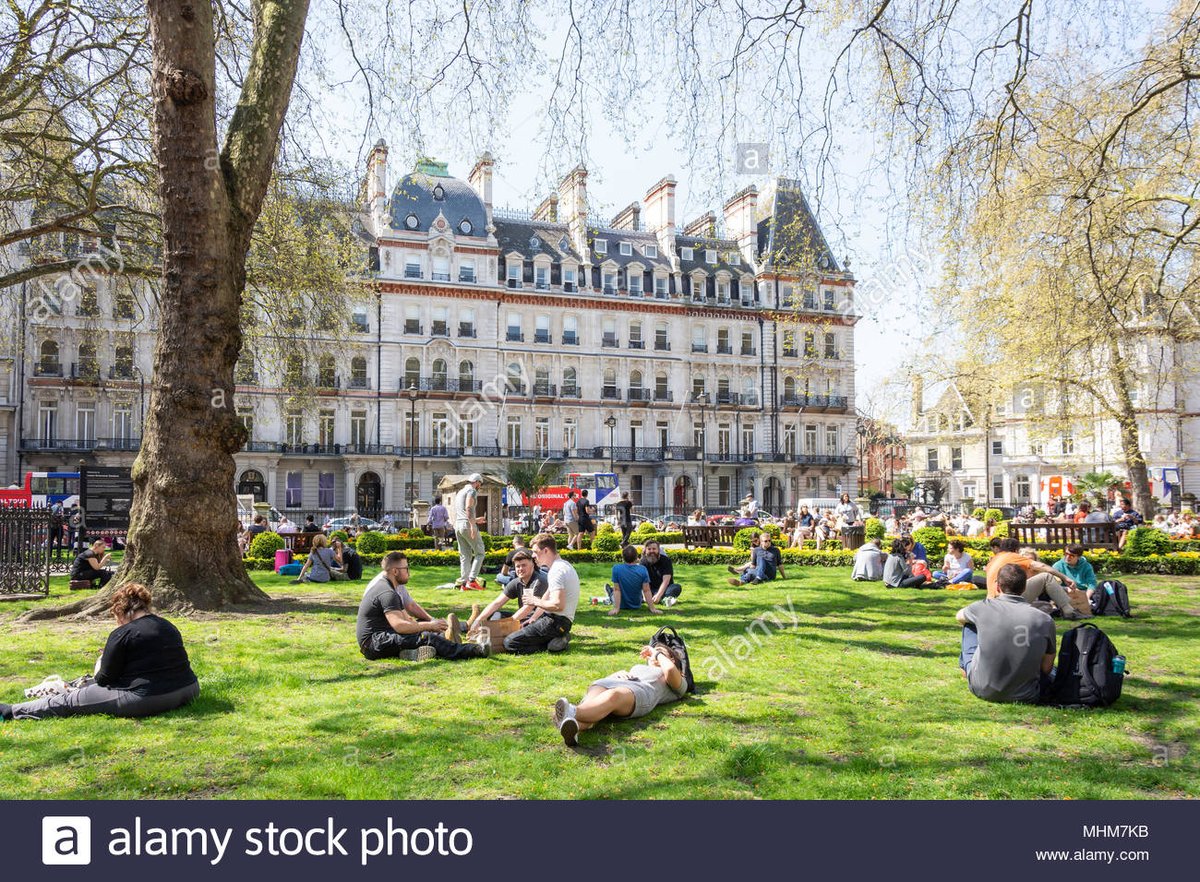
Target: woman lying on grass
{"type": "Point", "coordinates": [626, 694]}
{"type": "Point", "coordinates": [144, 669]}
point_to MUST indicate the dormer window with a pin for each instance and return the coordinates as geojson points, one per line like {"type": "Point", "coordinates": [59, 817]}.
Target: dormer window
{"type": "Point", "coordinates": [411, 222]}
{"type": "Point", "coordinates": [735, 259]}
{"type": "Point", "coordinates": [651, 250]}
{"type": "Point", "coordinates": [535, 243]}
{"type": "Point", "coordinates": [563, 244]}
{"type": "Point", "coordinates": [465, 227]}
{"type": "Point", "coordinates": [710, 256]}
{"type": "Point", "coordinates": [685, 254]}
{"type": "Point", "coordinates": [438, 193]}
{"type": "Point", "coordinates": [626, 249]}
{"type": "Point", "coordinates": [601, 246]}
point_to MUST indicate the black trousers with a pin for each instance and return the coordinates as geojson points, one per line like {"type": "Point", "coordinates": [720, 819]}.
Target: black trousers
{"type": "Point", "coordinates": [536, 636]}
{"type": "Point", "coordinates": [910, 582]}
{"type": "Point", "coordinates": [389, 644]}
{"type": "Point", "coordinates": [626, 532]}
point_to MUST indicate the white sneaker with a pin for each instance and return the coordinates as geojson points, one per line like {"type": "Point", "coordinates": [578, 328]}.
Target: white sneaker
{"type": "Point", "coordinates": [670, 601]}
{"type": "Point", "coordinates": [564, 719]}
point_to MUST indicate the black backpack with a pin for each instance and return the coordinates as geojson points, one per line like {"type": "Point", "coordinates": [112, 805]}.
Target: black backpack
{"type": "Point", "coordinates": [670, 639]}
{"type": "Point", "coordinates": [1085, 676]}
{"type": "Point", "coordinates": [1111, 598]}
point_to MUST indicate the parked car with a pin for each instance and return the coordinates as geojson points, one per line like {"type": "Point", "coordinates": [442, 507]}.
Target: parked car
{"type": "Point", "coordinates": [344, 524]}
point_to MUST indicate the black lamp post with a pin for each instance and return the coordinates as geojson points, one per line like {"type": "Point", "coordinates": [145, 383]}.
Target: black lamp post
{"type": "Point", "coordinates": [611, 422]}
{"type": "Point", "coordinates": [411, 394]}
{"type": "Point", "coordinates": [701, 398]}
{"type": "Point", "coordinates": [861, 429]}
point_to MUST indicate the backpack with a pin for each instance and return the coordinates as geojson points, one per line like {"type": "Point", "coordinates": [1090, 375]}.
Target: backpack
{"type": "Point", "coordinates": [1085, 676]}
{"type": "Point", "coordinates": [1111, 598]}
{"type": "Point", "coordinates": [669, 638]}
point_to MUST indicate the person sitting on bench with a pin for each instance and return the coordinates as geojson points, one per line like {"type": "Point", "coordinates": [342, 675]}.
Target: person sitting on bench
{"type": "Point", "coordinates": [144, 669]}
{"type": "Point", "coordinates": [1008, 646]}
{"type": "Point", "coordinates": [91, 566]}
{"type": "Point", "coordinates": [656, 679]}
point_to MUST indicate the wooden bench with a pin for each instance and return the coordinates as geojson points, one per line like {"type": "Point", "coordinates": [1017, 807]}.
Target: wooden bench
{"type": "Point", "coordinates": [710, 535]}
{"type": "Point", "coordinates": [1058, 535]}
{"type": "Point", "coordinates": [300, 544]}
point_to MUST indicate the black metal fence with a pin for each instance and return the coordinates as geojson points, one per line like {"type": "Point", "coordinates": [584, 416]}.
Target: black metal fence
{"type": "Point", "coordinates": [24, 552]}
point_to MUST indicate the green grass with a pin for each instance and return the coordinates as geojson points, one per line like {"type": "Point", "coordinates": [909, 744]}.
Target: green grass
{"type": "Point", "coordinates": [860, 698]}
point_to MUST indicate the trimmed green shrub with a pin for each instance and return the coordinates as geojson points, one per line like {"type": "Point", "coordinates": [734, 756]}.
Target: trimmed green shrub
{"type": "Point", "coordinates": [831, 545]}
{"type": "Point", "coordinates": [1001, 529]}
{"type": "Point", "coordinates": [1144, 541]}
{"type": "Point", "coordinates": [403, 543]}
{"type": "Point", "coordinates": [339, 534]}
{"type": "Point", "coordinates": [259, 563]}
{"type": "Point", "coordinates": [605, 528]}
{"type": "Point", "coordinates": [744, 537]}
{"type": "Point", "coordinates": [934, 541]}
{"type": "Point", "coordinates": [773, 529]}
{"type": "Point", "coordinates": [873, 528]}
{"type": "Point", "coordinates": [266, 544]}
{"type": "Point", "coordinates": [609, 541]}
{"type": "Point", "coordinates": [645, 527]}
{"type": "Point", "coordinates": [371, 542]}
{"type": "Point", "coordinates": [993, 514]}
{"type": "Point", "coordinates": [979, 513]}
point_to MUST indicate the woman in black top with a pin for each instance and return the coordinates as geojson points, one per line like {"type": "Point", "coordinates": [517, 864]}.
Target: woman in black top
{"type": "Point", "coordinates": [144, 669]}
{"type": "Point", "coordinates": [90, 565]}
{"type": "Point", "coordinates": [625, 517]}
{"type": "Point", "coordinates": [350, 562]}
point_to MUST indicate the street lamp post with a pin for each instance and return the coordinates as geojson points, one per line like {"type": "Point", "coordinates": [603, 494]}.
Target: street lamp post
{"type": "Point", "coordinates": [701, 398]}
{"type": "Point", "coordinates": [611, 422]}
{"type": "Point", "coordinates": [861, 429]}
{"type": "Point", "coordinates": [411, 394]}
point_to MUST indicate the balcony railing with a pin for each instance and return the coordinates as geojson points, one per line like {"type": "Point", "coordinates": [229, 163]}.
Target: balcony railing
{"type": "Point", "coordinates": [434, 450]}
{"type": "Point", "coordinates": [724, 349]}
{"type": "Point", "coordinates": [570, 287]}
{"type": "Point", "coordinates": [47, 369]}
{"type": "Point", "coordinates": [116, 372]}
{"type": "Point", "coordinates": [816, 402]}
{"type": "Point", "coordinates": [439, 383]}
{"type": "Point", "coordinates": [730, 456]}
{"type": "Point", "coordinates": [439, 329]}
{"type": "Point", "coordinates": [514, 337]}
{"type": "Point", "coordinates": [699, 347]}
{"type": "Point", "coordinates": [662, 346]}
{"type": "Point", "coordinates": [545, 390]}
{"type": "Point", "coordinates": [570, 338]}
{"type": "Point", "coordinates": [413, 328]}
{"type": "Point", "coordinates": [570, 392]}
{"type": "Point", "coordinates": [360, 383]}
{"type": "Point", "coordinates": [664, 395]}
{"type": "Point", "coordinates": [637, 344]}
{"type": "Point", "coordinates": [440, 277]}
{"type": "Point", "coordinates": [412, 272]}
{"type": "Point", "coordinates": [466, 330]}
{"type": "Point", "coordinates": [610, 290]}
{"type": "Point", "coordinates": [468, 277]}
{"type": "Point", "coordinates": [749, 350]}
{"type": "Point", "coordinates": [610, 393]}
{"type": "Point", "coordinates": [87, 370]}
{"type": "Point", "coordinates": [541, 337]}
{"type": "Point", "coordinates": [638, 394]}
{"type": "Point", "coordinates": [609, 341]}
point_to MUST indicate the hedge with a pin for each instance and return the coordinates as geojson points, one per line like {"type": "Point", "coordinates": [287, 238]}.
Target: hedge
{"type": "Point", "coordinates": [266, 544]}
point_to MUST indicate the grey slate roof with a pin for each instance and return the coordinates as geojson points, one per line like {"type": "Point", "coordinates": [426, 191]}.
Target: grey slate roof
{"type": "Point", "coordinates": [789, 235]}
{"type": "Point", "coordinates": [723, 247]}
{"type": "Point", "coordinates": [515, 235]}
{"type": "Point", "coordinates": [637, 238]}
{"type": "Point", "coordinates": [414, 194]}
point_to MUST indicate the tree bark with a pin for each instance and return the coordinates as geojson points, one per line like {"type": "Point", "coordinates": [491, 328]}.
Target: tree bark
{"type": "Point", "coordinates": [1131, 443]}
{"type": "Point", "coordinates": [183, 525]}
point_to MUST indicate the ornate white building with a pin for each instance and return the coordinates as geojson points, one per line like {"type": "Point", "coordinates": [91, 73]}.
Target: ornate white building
{"type": "Point", "coordinates": [702, 365]}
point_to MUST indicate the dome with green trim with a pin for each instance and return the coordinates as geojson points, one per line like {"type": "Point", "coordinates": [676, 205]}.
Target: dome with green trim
{"type": "Point", "coordinates": [428, 191]}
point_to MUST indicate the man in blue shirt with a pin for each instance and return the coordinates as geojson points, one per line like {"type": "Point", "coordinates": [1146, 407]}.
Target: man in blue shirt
{"type": "Point", "coordinates": [632, 584]}
{"type": "Point", "coordinates": [765, 562]}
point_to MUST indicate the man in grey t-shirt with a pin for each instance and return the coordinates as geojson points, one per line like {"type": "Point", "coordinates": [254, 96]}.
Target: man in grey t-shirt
{"type": "Point", "coordinates": [1007, 645]}
{"type": "Point", "coordinates": [466, 530]}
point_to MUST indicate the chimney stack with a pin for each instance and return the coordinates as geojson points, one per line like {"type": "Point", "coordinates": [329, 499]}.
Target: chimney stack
{"type": "Point", "coordinates": [376, 194]}
{"type": "Point", "coordinates": [481, 179]}
{"type": "Point", "coordinates": [548, 210]}
{"type": "Point", "coordinates": [572, 195]}
{"type": "Point", "coordinates": [704, 226]}
{"type": "Point", "coordinates": [629, 218]}
{"type": "Point", "coordinates": [740, 224]}
{"type": "Point", "coordinates": [660, 205]}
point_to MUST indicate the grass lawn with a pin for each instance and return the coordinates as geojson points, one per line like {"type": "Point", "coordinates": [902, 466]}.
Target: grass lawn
{"type": "Point", "coordinates": [857, 696]}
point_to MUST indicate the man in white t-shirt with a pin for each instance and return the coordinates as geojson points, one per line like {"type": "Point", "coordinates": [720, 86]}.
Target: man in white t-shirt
{"type": "Point", "coordinates": [549, 627]}
{"type": "Point", "coordinates": [466, 531]}
{"type": "Point", "coordinates": [570, 516]}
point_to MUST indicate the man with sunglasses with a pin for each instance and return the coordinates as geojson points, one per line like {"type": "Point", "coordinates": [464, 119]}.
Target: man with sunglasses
{"type": "Point", "coordinates": [393, 625]}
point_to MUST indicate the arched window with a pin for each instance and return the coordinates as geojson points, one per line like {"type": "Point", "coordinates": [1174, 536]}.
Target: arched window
{"type": "Point", "coordinates": [439, 373]}
{"type": "Point", "coordinates": [466, 376]}
{"type": "Point", "coordinates": [789, 387]}
{"type": "Point", "coordinates": [293, 369]}
{"type": "Point", "coordinates": [412, 373]}
{"type": "Point", "coordinates": [635, 380]}
{"type": "Point", "coordinates": [610, 384]}
{"type": "Point", "coordinates": [358, 372]}
{"type": "Point", "coordinates": [48, 364]}
{"type": "Point", "coordinates": [570, 381]}
{"type": "Point", "coordinates": [514, 377]}
{"type": "Point", "coordinates": [326, 372]}
{"type": "Point", "coordinates": [541, 379]}
{"type": "Point", "coordinates": [88, 366]}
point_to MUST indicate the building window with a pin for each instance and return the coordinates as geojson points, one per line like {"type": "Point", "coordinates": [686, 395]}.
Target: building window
{"type": "Point", "coordinates": [660, 286]}
{"type": "Point", "coordinates": [569, 434]}
{"type": "Point", "coordinates": [789, 439]}
{"type": "Point", "coordinates": [85, 424]}
{"type": "Point", "coordinates": [831, 346]}
{"type": "Point", "coordinates": [650, 250]}
{"type": "Point", "coordinates": [412, 430]}
{"type": "Point", "coordinates": [724, 440]}
{"type": "Point", "coordinates": [634, 283]}
{"type": "Point", "coordinates": [123, 303]}
{"type": "Point", "coordinates": [542, 331]}
{"type": "Point", "coordinates": [635, 335]}
{"type": "Point", "coordinates": [513, 436]}
{"type": "Point", "coordinates": [747, 440]}
{"type": "Point", "coordinates": [724, 487]}
{"type": "Point", "coordinates": [294, 428]}
{"type": "Point", "coordinates": [608, 332]}
{"type": "Point", "coordinates": [570, 383]}
{"type": "Point", "coordinates": [998, 489]}
{"type": "Point", "coordinates": [412, 320]}
{"type": "Point", "coordinates": [441, 268]}
{"type": "Point", "coordinates": [956, 458]}
{"type": "Point", "coordinates": [513, 378]}
{"type": "Point", "coordinates": [466, 376]}
{"type": "Point", "coordinates": [541, 278]}
{"type": "Point", "coordinates": [568, 278]}
{"type": "Point", "coordinates": [541, 436]}
{"type": "Point", "coordinates": [997, 448]}
{"type": "Point", "coordinates": [827, 295]}
{"type": "Point", "coordinates": [710, 256]}
{"type": "Point", "coordinates": [513, 270]}
{"type": "Point", "coordinates": [440, 429]}
{"type": "Point", "coordinates": [358, 373]}
{"type": "Point", "coordinates": [1068, 443]}
{"type": "Point", "coordinates": [810, 440]}
{"type": "Point", "coordinates": [87, 305]}
{"type": "Point", "coordinates": [747, 293]}
{"type": "Point", "coordinates": [412, 267]}
{"type": "Point", "coordinates": [325, 490]}
{"type": "Point", "coordinates": [440, 322]}
{"type": "Point", "coordinates": [571, 331]}
{"type": "Point", "coordinates": [610, 282]}
{"type": "Point", "coordinates": [466, 323]}
{"type": "Point", "coordinates": [810, 344]}
{"type": "Point", "coordinates": [664, 434]}
{"type": "Point", "coordinates": [600, 246]}
{"type": "Point", "coordinates": [358, 428]}
{"type": "Point", "coordinates": [514, 328]}
{"type": "Point", "coordinates": [626, 249]}
{"type": "Point", "coordinates": [661, 342]}
{"type": "Point", "coordinates": [122, 424]}
{"type": "Point", "coordinates": [748, 343]}
{"type": "Point", "coordinates": [1037, 448]}
{"type": "Point", "coordinates": [412, 373]}
{"type": "Point", "coordinates": [293, 497]}
{"type": "Point", "coordinates": [931, 459]}
{"type": "Point", "coordinates": [359, 320]}
{"type": "Point", "coordinates": [686, 254]}
{"type": "Point", "coordinates": [1021, 489]}
{"type": "Point", "coordinates": [325, 428]}
{"type": "Point", "coordinates": [699, 339]}
{"type": "Point", "coordinates": [466, 270]}
{"type": "Point", "coordinates": [697, 387]}
{"type": "Point", "coordinates": [635, 489]}
{"type": "Point", "coordinates": [326, 372]}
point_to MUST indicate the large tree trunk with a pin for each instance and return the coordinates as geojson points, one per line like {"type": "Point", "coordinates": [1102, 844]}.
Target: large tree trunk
{"type": "Point", "coordinates": [182, 532]}
{"type": "Point", "coordinates": [1131, 442]}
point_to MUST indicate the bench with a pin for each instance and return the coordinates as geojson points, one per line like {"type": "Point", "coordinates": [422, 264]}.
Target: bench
{"type": "Point", "coordinates": [710, 535]}
{"type": "Point", "coordinates": [299, 544]}
{"type": "Point", "coordinates": [1058, 535]}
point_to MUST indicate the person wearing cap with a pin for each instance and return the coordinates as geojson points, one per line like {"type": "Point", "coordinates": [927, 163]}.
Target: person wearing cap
{"type": "Point", "coordinates": [466, 531]}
